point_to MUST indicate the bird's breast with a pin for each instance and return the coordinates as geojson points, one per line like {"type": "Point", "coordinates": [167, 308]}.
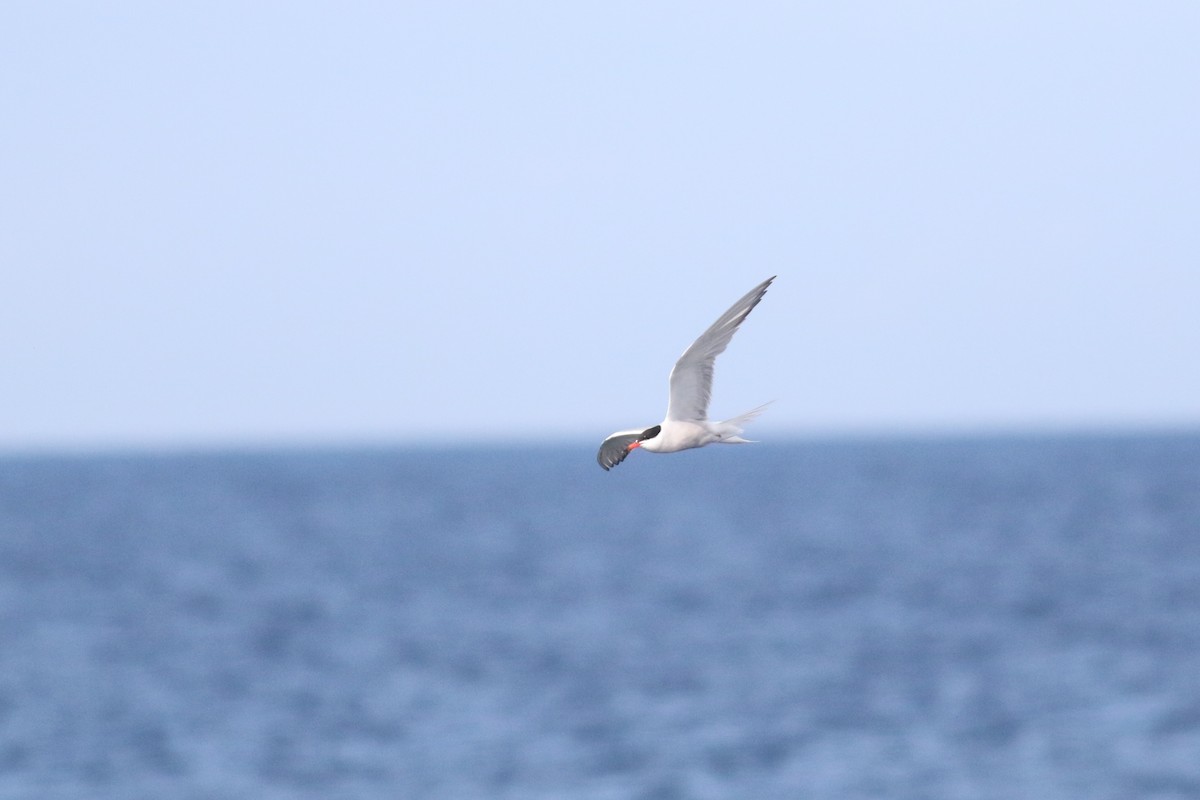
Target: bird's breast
{"type": "Point", "coordinates": [678, 435]}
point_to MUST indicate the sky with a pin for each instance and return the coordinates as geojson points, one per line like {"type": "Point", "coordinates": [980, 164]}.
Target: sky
{"type": "Point", "coordinates": [290, 223]}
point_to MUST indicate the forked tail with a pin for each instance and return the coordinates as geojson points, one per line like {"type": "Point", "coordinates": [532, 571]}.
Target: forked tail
{"type": "Point", "coordinates": [732, 428]}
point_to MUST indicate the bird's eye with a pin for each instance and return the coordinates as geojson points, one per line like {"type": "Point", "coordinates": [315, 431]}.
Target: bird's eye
{"type": "Point", "coordinates": [650, 433]}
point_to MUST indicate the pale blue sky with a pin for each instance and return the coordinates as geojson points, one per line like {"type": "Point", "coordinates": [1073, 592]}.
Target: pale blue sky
{"type": "Point", "coordinates": [283, 222]}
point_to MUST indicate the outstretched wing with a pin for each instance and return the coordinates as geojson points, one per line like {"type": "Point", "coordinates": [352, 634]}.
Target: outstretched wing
{"type": "Point", "coordinates": [692, 377]}
{"type": "Point", "coordinates": [614, 449]}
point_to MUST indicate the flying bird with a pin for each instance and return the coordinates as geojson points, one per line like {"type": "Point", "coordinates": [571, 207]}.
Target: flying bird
{"type": "Point", "coordinates": [687, 424]}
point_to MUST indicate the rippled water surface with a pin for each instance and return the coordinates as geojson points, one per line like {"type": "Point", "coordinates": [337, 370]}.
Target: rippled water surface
{"type": "Point", "coordinates": [901, 619]}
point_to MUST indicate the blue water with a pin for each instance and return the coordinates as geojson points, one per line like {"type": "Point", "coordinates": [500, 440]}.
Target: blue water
{"type": "Point", "coordinates": [1008, 618]}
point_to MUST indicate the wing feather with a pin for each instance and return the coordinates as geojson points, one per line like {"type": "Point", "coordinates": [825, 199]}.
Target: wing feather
{"type": "Point", "coordinates": [614, 449]}
{"type": "Point", "coordinates": [692, 376]}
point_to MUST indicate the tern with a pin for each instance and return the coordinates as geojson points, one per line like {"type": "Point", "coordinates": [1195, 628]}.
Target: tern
{"type": "Point", "coordinates": [687, 424]}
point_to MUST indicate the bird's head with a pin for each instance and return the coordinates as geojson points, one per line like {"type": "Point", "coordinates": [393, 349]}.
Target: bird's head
{"type": "Point", "coordinates": [649, 433]}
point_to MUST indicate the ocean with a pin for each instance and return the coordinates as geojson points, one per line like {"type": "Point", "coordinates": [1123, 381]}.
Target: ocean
{"type": "Point", "coordinates": [959, 618]}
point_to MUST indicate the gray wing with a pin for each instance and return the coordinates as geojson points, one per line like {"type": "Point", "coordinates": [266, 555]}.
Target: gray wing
{"type": "Point", "coordinates": [692, 377]}
{"type": "Point", "coordinates": [614, 449]}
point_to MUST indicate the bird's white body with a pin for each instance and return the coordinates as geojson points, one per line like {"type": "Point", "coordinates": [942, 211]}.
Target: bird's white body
{"type": "Point", "coordinates": [687, 425]}
{"type": "Point", "coordinates": [679, 435]}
